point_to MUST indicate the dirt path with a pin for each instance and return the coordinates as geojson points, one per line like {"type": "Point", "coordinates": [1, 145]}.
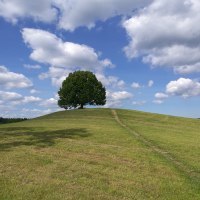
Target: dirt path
{"type": "Point", "coordinates": [177, 164]}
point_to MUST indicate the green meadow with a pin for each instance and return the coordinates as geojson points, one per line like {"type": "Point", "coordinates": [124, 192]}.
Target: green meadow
{"type": "Point", "coordinates": [100, 154]}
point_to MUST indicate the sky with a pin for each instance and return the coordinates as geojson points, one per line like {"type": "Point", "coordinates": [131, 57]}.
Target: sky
{"type": "Point", "coordinates": [145, 52]}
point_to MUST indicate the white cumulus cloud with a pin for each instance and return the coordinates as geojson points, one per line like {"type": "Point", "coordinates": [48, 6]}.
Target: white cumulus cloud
{"type": "Point", "coordinates": [13, 10]}
{"type": "Point", "coordinates": [116, 98]}
{"type": "Point", "coordinates": [10, 97]}
{"type": "Point", "coordinates": [70, 14]}
{"type": "Point", "coordinates": [63, 57]}
{"type": "Point", "coordinates": [183, 87]}
{"type": "Point", "coordinates": [76, 13]}
{"type": "Point", "coordinates": [31, 99]}
{"type": "Point", "coordinates": [135, 85]}
{"type": "Point", "coordinates": [14, 98]}
{"type": "Point", "coordinates": [110, 81]}
{"type": "Point", "coordinates": [120, 95]}
{"type": "Point", "coordinates": [49, 103]}
{"type": "Point", "coordinates": [13, 104]}
{"type": "Point", "coordinates": [49, 49]}
{"type": "Point", "coordinates": [166, 34]}
{"type": "Point", "coordinates": [160, 95]}
{"type": "Point", "coordinates": [10, 80]}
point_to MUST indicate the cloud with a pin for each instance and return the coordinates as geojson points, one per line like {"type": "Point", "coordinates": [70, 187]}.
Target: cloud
{"type": "Point", "coordinates": [33, 91]}
{"type": "Point", "coordinates": [188, 69]}
{"type": "Point", "coordinates": [110, 81]}
{"type": "Point", "coordinates": [49, 49]}
{"type": "Point", "coordinates": [11, 104]}
{"type": "Point", "coordinates": [27, 112]}
{"type": "Point", "coordinates": [116, 98]}
{"type": "Point", "coordinates": [135, 85]}
{"type": "Point", "coordinates": [49, 103]}
{"type": "Point", "coordinates": [27, 66]}
{"type": "Point", "coordinates": [158, 101]}
{"type": "Point", "coordinates": [31, 99]}
{"type": "Point", "coordinates": [76, 13]}
{"type": "Point", "coordinates": [183, 87]}
{"type": "Point", "coordinates": [166, 34]}
{"type": "Point", "coordinates": [63, 57]}
{"type": "Point", "coordinates": [139, 103]}
{"type": "Point", "coordinates": [10, 80]}
{"type": "Point", "coordinates": [120, 95]}
{"type": "Point", "coordinates": [57, 75]}
{"type": "Point", "coordinates": [13, 10]}
{"type": "Point", "coordinates": [70, 14]}
{"type": "Point", "coordinates": [13, 112]}
{"type": "Point", "coordinates": [10, 97]}
{"type": "Point", "coordinates": [161, 96]}
{"type": "Point", "coordinates": [14, 98]}
{"type": "Point", "coordinates": [150, 83]}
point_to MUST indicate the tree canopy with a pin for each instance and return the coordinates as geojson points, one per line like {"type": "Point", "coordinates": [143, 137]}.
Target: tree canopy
{"type": "Point", "coordinates": [81, 88]}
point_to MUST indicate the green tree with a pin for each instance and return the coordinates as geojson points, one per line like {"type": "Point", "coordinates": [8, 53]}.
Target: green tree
{"type": "Point", "coordinates": [81, 88]}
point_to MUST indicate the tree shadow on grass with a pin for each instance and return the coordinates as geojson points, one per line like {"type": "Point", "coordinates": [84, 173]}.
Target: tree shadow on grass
{"type": "Point", "coordinates": [12, 137]}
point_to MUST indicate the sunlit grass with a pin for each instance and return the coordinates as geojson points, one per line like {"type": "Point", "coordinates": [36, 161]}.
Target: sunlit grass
{"type": "Point", "coordinates": [86, 154]}
{"type": "Point", "coordinates": [178, 136]}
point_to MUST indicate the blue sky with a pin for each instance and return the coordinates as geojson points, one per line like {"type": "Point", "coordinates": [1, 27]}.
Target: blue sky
{"type": "Point", "coordinates": [145, 52]}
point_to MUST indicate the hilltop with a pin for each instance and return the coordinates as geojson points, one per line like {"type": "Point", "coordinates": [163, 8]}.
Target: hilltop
{"type": "Point", "coordinates": [100, 154]}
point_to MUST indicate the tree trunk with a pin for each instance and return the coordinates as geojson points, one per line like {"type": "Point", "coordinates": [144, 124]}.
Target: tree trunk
{"type": "Point", "coordinates": [81, 107]}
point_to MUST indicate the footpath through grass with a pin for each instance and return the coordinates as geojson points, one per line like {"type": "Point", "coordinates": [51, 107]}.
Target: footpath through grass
{"type": "Point", "coordinates": [178, 138]}
{"type": "Point", "coordinates": [88, 154]}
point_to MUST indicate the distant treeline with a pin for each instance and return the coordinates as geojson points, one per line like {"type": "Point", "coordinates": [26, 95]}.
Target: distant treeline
{"type": "Point", "coordinates": [11, 120]}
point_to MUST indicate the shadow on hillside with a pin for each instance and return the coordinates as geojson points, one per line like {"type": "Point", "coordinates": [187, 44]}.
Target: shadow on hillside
{"type": "Point", "coordinates": [20, 136]}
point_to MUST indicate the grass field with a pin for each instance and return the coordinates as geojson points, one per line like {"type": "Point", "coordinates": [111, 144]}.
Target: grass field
{"type": "Point", "coordinates": [100, 154]}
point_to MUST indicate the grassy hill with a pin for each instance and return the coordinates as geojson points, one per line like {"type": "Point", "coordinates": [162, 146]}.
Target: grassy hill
{"type": "Point", "coordinates": [100, 154]}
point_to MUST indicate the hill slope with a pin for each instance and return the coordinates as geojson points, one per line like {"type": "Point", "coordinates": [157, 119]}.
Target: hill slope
{"type": "Point", "coordinates": [100, 154]}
